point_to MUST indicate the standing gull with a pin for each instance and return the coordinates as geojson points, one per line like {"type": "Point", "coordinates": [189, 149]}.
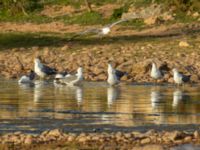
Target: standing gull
{"type": "Point", "coordinates": [27, 78]}
{"type": "Point", "coordinates": [155, 72]}
{"type": "Point", "coordinates": [73, 79]}
{"type": "Point", "coordinates": [114, 76]}
{"type": "Point", "coordinates": [42, 70]}
{"type": "Point", "coordinates": [179, 78]}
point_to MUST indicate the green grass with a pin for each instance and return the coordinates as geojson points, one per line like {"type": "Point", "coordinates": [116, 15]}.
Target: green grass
{"type": "Point", "coordinates": [26, 40]}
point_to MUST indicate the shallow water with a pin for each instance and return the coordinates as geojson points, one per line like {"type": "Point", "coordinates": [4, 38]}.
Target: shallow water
{"type": "Point", "coordinates": [95, 106]}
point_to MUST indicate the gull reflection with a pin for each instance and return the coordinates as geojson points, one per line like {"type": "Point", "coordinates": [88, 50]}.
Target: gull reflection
{"type": "Point", "coordinates": [38, 90]}
{"type": "Point", "coordinates": [177, 97]}
{"type": "Point", "coordinates": [69, 91]}
{"type": "Point", "coordinates": [156, 98]}
{"type": "Point", "coordinates": [112, 94]}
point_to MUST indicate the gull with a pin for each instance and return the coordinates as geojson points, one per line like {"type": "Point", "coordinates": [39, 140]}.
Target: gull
{"type": "Point", "coordinates": [114, 75]}
{"type": "Point", "coordinates": [42, 70]}
{"type": "Point", "coordinates": [73, 79]}
{"type": "Point", "coordinates": [99, 31]}
{"type": "Point", "coordinates": [179, 78]}
{"type": "Point", "coordinates": [155, 72]}
{"type": "Point", "coordinates": [61, 75]}
{"type": "Point", "coordinates": [27, 78]}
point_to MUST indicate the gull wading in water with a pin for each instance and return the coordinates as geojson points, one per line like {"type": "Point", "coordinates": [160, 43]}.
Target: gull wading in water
{"type": "Point", "coordinates": [179, 78]}
{"type": "Point", "coordinates": [61, 75]}
{"type": "Point", "coordinates": [73, 79]}
{"type": "Point", "coordinates": [42, 70]}
{"type": "Point", "coordinates": [155, 72]}
{"type": "Point", "coordinates": [114, 76]}
{"type": "Point", "coordinates": [27, 78]}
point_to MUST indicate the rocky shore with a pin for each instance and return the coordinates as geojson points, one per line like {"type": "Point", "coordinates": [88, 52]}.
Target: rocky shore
{"type": "Point", "coordinates": [131, 54]}
{"type": "Point", "coordinates": [116, 140]}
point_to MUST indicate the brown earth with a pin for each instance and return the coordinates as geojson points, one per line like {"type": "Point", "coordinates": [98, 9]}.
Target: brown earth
{"type": "Point", "coordinates": [130, 50]}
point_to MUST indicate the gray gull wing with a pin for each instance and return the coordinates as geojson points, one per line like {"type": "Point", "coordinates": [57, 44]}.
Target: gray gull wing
{"type": "Point", "coordinates": [48, 70]}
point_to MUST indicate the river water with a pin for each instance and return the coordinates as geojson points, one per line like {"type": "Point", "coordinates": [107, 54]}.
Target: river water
{"type": "Point", "coordinates": [95, 107]}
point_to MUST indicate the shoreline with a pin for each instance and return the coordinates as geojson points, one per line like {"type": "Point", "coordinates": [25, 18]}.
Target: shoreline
{"type": "Point", "coordinates": [58, 138]}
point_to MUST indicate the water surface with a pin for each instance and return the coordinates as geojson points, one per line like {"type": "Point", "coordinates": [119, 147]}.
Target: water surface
{"type": "Point", "coordinates": [95, 106]}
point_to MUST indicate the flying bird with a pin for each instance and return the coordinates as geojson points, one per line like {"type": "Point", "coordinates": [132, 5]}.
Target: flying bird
{"type": "Point", "coordinates": [99, 31]}
{"type": "Point", "coordinates": [42, 70]}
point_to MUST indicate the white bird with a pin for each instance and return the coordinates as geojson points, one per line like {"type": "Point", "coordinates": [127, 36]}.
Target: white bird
{"type": "Point", "coordinates": [27, 78]}
{"type": "Point", "coordinates": [99, 31]}
{"type": "Point", "coordinates": [155, 72]}
{"type": "Point", "coordinates": [42, 70]}
{"type": "Point", "coordinates": [179, 78]}
{"type": "Point", "coordinates": [73, 79]}
{"type": "Point", "coordinates": [61, 75]}
{"type": "Point", "coordinates": [114, 76]}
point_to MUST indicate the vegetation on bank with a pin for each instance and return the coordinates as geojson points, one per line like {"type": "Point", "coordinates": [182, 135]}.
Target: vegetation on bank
{"type": "Point", "coordinates": [30, 10]}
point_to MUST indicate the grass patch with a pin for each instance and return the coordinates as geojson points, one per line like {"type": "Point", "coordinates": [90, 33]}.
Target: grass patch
{"type": "Point", "coordinates": [86, 18]}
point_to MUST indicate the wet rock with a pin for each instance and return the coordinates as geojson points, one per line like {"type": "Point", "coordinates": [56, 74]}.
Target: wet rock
{"type": "Point", "coordinates": [55, 133]}
{"type": "Point", "coordinates": [175, 135]}
{"type": "Point", "coordinates": [194, 78]}
{"type": "Point", "coordinates": [145, 141]}
{"type": "Point", "coordinates": [28, 140]}
{"type": "Point", "coordinates": [188, 139]}
{"type": "Point", "coordinates": [196, 134]}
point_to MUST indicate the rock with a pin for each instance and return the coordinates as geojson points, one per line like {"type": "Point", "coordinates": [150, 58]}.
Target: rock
{"type": "Point", "coordinates": [194, 78]}
{"type": "Point", "coordinates": [183, 44]}
{"type": "Point", "coordinates": [196, 134]}
{"type": "Point", "coordinates": [150, 20]}
{"type": "Point", "coordinates": [195, 15]}
{"type": "Point", "coordinates": [127, 135]}
{"type": "Point", "coordinates": [65, 47]}
{"type": "Point", "coordinates": [82, 139]}
{"type": "Point", "coordinates": [175, 135]}
{"type": "Point", "coordinates": [102, 77]}
{"type": "Point", "coordinates": [188, 139]}
{"type": "Point", "coordinates": [98, 70]}
{"type": "Point", "coordinates": [71, 138]}
{"type": "Point", "coordinates": [145, 141]}
{"type": "Point", "coordinates": [170, 80]}
{"type": "Point", "coordinates": [55, 133]}
{"type": "Point", "coordinates": [28, 140]}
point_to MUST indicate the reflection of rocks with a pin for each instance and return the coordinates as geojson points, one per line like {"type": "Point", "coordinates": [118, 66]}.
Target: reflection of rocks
{"type": "Point", "coordinates": [112, 94]}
